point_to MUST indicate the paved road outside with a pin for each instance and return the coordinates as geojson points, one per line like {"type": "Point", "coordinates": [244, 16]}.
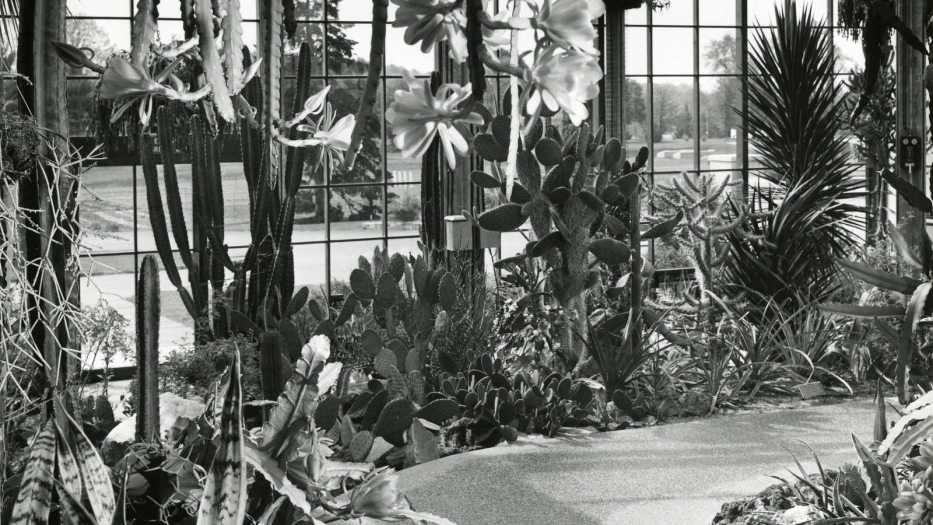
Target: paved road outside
{"type": "Point", "coordinates": [676, 474]}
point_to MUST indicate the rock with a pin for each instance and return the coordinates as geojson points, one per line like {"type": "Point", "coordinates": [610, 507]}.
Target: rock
{"type": "Point", "coordinates": [171, 407]}
{"type": "Point", "coordinates": [799, 515]}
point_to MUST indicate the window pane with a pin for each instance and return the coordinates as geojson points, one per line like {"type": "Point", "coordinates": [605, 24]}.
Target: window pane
{"type": "Point", "coordinates": [109, 291]}
{"type": "Point", "coordinates": [310, 267]}
{"type": "Point", "coordinates": [849, 54]}
{"type": "Point", "coordinates": [401, 56]}
{"type": "Point", "coordinates": [673, 51]}
{"type": "Point", "coordinates": [344, 96]}
{"type": "Point", "coordinates": [404, 209]}
{"type": "Point", "coordinates": [99, 7]}
{"type": "Point", "coordinates": [719, 12]}
{"type": "Point", "coordinates": [679, 13]}
{"type": "Point", "coordinates": [720, 122]}
{"type": "Point", "coordinates": [636, 114]}
{"type": "Point", "coordinates": [313, 34]}
{"type": "Point", "coordinates": [356, 212]}
{"type": "Point", "coordinates": [309, 216]}
{"type": "Point", "coordinates": [348, 48]}
{"type": "Point", "coordinates": [103, 37]}
{"type": "Point", "coordinates": [83, 117]}
{"type": "Point", "coordinates": [636, 51]}
{"type": "Point", "coordinates": [761, 12]}
{"type": "Point", "coordinates": [719, 51]}
{"type": "Point", "coordinates": [816, 7]}
{"type": "Point", "coordinates": [674, 116]}
{"type": "Point", "coordinates": [107, 215]}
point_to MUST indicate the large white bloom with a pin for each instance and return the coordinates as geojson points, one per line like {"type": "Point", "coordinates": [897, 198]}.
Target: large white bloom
{"type": "Point", "coordinates": [332, 136]}
{"type": "Point", "coordinates": [433, 21]}
{"type": "Point", "coordinates": [569, 23]}
{"type": "Point", "coordinates": [564, 80]}
{"type": "Point", "coordinates": [417, 116]}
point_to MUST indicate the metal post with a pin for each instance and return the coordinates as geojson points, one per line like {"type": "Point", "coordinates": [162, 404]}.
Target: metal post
{"type": "Point", "coordinates": [910, 109]}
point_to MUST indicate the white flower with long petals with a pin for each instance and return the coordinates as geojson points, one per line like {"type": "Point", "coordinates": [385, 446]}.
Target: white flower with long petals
{"type": "Point", "coordinates": [564, 80]}
{"type": "Point", "coordinates": [332, 137]}
{"type": "Point", "coordinates": [569, 23]}
{"type": "Point", "coordinates": [312, 106]}
{"type": "Point", "coordinates": [417, 116]}
{"type": "Point", "coordinates": [433, 21]}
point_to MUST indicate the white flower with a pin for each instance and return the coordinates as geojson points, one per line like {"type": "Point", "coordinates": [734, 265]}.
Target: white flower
{"type": "Point", "coordinates": [316, 350]}
{"type": "Point", "coordinates": [564, 80]}
{"type": "Point", "coordinates": [417, 116]}
{"type": "Point", "coordinates": [312, 106]}
{"type": "Point", "coordinates": [569, 23]}
{"type": "Point", "coordinates": [498, 39]}
{"type": "Point", "coordinates": [333, 137]}
{"type": "Point", "coordinates": [433, 21]}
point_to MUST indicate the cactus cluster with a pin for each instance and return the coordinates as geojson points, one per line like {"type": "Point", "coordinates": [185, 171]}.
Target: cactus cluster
{"type": "Point", "coordinates": [496, 406]}
{"type": "Point", "coordinates": [583, 202]}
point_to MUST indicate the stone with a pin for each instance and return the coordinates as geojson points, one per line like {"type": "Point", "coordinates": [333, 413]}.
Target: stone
{"type": "Point", "coordinates": [171, 407]}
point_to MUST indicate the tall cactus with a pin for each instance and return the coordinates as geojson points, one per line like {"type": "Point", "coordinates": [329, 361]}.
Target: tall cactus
{"type": "Point", "coordinates": [148, 305]}
{"type": "Point", "coordinates": [272, 375]}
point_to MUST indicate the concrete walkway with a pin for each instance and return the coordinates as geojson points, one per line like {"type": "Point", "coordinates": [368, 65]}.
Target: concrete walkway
{"type": "Point", "coordinates": [676, 474]}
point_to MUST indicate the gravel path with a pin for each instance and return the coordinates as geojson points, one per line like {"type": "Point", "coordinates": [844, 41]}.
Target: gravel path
{"type": "Point", "coordinates": [676, 474]}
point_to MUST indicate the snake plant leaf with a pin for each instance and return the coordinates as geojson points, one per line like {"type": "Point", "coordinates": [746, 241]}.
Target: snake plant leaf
{"type": "Point", "coordinates": [504, 218]}
{"type": "Point", "coordinates": [224, 497]}
{"type": "Point", "coordinates": [863, 311]}
{"type": "Point", "coordinates": [210, 60]}
{"type": "Point", "coordinates": [905, 351]}
{"type": "Point", "coordinates": [913, 195]}
{"type": "Point", "coordinates": [485, 180]}
{"type": "Point", "coordinates": [69, 476]}
{"type": "Point", "coordinates": [610, 251]}
{"type": "Point", "coordinates": [879, 278]}
{"type": "Point", "coordinates": [95, 474]}
{"type": "Point", "coordinates": [232, 26]}
{"type": "Point", "coordinates": [145, 29]}
{"type": "Point", "coordinates": [34, 499]}
{"type": "Point", "coordinates": [663, 228]}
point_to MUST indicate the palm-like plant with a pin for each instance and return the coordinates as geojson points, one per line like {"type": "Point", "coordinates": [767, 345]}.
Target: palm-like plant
{"type": "Point", "coordinates": [793, 114]}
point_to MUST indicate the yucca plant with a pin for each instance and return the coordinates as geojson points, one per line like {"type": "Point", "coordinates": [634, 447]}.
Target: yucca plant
{"type": "Point", "coordinates": [794, 108]}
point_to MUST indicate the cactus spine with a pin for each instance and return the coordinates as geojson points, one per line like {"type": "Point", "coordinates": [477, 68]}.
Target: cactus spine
{"type": "Point", "coordinates": [147, 348]}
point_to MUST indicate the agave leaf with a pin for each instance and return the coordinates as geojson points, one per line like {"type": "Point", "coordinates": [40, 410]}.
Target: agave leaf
{"type": "Point", "coordinates": [860, 311]}
{"type": "Point", "coordinates": [903, 247]}
{"type": "Point", "coordinates": [144, 31]}
{"type": "Point", "coordinates": [905, 349]}
{"type": "Point", "coordinates": [232, 26]}
{"type": "Point", "coordinates": [879, 278]}
{"type": "Point", "coordinates": [909, 430]}
{"type": "Point", "coordinates": [910, 193]}
{"type": "Point", "coordinates": [35, 490]}
{"type": "Point", "coordinates": [210, 61]}
{"type": "Point", "coordinates": [224, 497]}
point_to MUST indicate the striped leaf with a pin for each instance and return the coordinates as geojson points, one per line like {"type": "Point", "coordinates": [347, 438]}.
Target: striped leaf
{"type": "Point", "coordinates": [863, 311]}
{"type": "Point", "coordinates": [70, 486]}
{"type": "Point", "coordinates": [224, 498]}
{"type": "Point", "coordinates": [95, 474]}
{"type": "Point", "coordinates": [905, 351]}
{"type": "Point", "coordinates": [35, 492]}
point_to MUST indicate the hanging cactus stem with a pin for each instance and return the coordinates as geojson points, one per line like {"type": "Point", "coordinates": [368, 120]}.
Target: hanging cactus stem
{"type": "Point", "coordinates": [368, 100]}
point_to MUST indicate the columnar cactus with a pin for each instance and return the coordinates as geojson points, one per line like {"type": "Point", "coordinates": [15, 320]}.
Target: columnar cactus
{"type": "Point", "coordinates": [148, 305]}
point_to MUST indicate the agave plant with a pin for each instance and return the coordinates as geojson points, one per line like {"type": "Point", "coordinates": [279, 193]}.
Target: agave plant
{"type": "Point", "coordinates": [794, 108]}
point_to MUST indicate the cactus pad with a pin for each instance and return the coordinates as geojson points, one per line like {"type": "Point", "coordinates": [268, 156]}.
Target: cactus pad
{"type": "Point", "coordinates": [395, 418]}
{"type": "Point", "coordinates": [361, 445]}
